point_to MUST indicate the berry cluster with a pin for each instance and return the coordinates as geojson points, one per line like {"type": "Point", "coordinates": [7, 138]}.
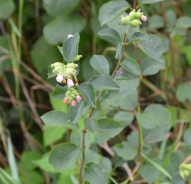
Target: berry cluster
{"type": "Point", "coordinates": [67, 74]}
{"type": "Point", "coordinates": [133, 18]}
{"type": "Point", "coordinates": [185, 170]}
{"type": "Point", "coordinates": [72, 96]}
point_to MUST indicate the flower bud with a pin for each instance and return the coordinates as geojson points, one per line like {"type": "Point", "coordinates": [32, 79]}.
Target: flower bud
{"type": "Point", "coordinates": [138, 15]}
{"type": "Point", "coordinates": [136, 22]}
{"type": "Point", "coordinates": [57, 64]}
{"type": "Point", "coordinates": [78, 98]}
{"type": "Point", "coordinates": [71, 65]}
{"type": "Point", "coordinates": [59, 78]}
{"type": "Point", "coordinates": [132, 15]}
{"type": "Point", "coordinates": [124, 20]}
{"type": "Point", "coordinates": [78, 57]}
{"type": "Point", "coordinates": [73, 103]}
{"type": "Point", "coordinates": [70, 83]}
{"type": "Point", "coordinates": [143, 17]}
{"type": "Point", "coordinates": [65, 100]}
{"type": "Point", "coordinates": [70, 35]}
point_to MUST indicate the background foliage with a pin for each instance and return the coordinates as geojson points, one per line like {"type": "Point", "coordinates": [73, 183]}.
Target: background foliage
{"type": "Point", "coordinates": [30, 33]}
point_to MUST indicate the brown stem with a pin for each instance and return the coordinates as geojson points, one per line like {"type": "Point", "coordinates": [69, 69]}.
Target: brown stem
{"type": "Point", "coordinates": [92, 109]}
{"type": "Point", "coordinates": [83, 156]}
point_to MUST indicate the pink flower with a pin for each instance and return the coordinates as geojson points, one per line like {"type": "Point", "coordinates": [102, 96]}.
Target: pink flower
{"type": "Point", "coordinates": [143, 17]}
{"type": "Point", "coordinates": [78, 98]}
{"type": "Point", "coordinates": [70, 35]}
{"type": "Point", "coordinates": [65, 100]}
{"type": "Point", "coordinates": [59, 78]}
{"type": "Point", "coordinates": [73, 103]}
{"type": "Point", "coordinates": [70, 83]}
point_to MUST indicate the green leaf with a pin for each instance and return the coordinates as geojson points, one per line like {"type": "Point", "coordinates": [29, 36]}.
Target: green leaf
{"type": "Point", "coordinates": [75, 112]}
{"type": "Point", "coordinates": [8, 177]}
{"type": "Point", "coordinates": [139, 36]}
{"type": "Point", "coordinates": [70, 48]}
{"type": "Point", "coordinates": [131, 65]}
{"type": "Point", "coordinates": [58, 29]}
{"type": "Point", "coordinates": [187, 136]}
{"type": "Point", "coordinates": [58, 104]}
{"type": "Point", "coordinates": [64, 156]}
{"type": "Point", "coordinates": [95, 174]}
{"type": "Point", "coordinates": [153, 49]}
{"type": "Point", "coordinates": [7, 7]}
{"type": "Point", "coordinates": [156, 135]}
{"type": "Point", "coordinates": [76, 137]}
{"type": "Point", "coordinates": [157, 166]}
{"type": "Point", "coordinates": [100, 64]}
{"type": "Point", "coordinates": [124, 117]}
{"type": "Point", "coordinates": [154, 116]}
{"type": "Point", "coordinates": [109, 127]}
{"type": "Point", "coordinates": [91, 125]}
{"type": "Point", "coordinates": [184, 22]}
{"type": "Point", "coordinates": [43, 55]}
{"type": "Point", "coordinates": [156, 22]}
{"type": "Point", "coordinates": [149, 66]}
{"type": "Point", "coordinates": [125, 150]}
{"type": "Point", "coordinates": [103, 82]}
{"type": "Point", "coordinates": [59, 91]}
{"type": "Point", "coordinates": [149, 1]}
{"type": "Point", "coordinates": [50, 72]}
{"type": "Point", "coordinates": [110, 32]}
{"type": "Point", "coordinates": [27, 158]}
{"type": "Point", "coordinates": [56, 7]}
{"type": "Point", "coordinates": [60, 49]}
{"type": "Point", "coordinates": [149, 172]}
{"type": "Point", "coordinates": [52, 134]}
{"type": "Point", "coordinates": [86, 89]}
{"type": "Point", "coordinates": [44, 164]}
{"type": "Point", "coordinates": [183, 92]}
{"type": "Point", "coordinates": [56, 119]}
{"type": "Point", "coordinates": [11, 160]}
{"type": "Point", "coordinates": [112, 9]}
{"type": "Point", "coordinates": [106, 164]}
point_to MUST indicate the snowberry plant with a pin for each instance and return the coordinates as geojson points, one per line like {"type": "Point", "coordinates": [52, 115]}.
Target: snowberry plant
{"type": "Point", "coordinates": [116, 95]}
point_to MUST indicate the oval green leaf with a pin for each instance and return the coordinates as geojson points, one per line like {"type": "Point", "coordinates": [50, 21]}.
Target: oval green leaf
{"type": "Point", "coordinates": [64, 156]}
{"type": "Point", "coordinates": [103, 82]}
{"type": "Point", "coordinates": [86, 89]}
{"type": "Point", "coordinates": [59, 91]}
{"type": "Point", "coordinates": [131, 65]}
{"type": "Point", "coordinates": [112, 9]}
{"type": "Point", "coordinates": [56, 119]}
{"type": "Point", "coordinates": [100, 64]}
{"type": "Point", "coordinates": [110, 32]}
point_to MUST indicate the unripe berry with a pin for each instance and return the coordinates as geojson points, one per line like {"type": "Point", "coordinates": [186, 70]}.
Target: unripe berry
{"type": "Point", "coordinates": [65, 100]}
{"type": "Point", "coordinates": [136, 22]}
{"type": "Point", "coordinates": [71, 65]}
{"type": "Point", "coordinates": [124, 20]}
{"type": "Point", "coordinates": [78, 57]}
{"type": "Point", "coordinates": [73, 103]}
{"type": "Point", "coordinates": [132, 15]}
{"type": "Point", "coordinates": [138, 15]}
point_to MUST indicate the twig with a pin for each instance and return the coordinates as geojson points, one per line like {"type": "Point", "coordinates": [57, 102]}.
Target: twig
{"type": "Point", "coordinates": [125, 165]}
{"type": "Point", "coordinates": [83, 156]}
{"type": "Point", "coordinates": [31, 103]}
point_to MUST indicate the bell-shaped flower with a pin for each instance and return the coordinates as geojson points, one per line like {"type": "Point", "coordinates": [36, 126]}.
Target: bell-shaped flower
{"type": "Point", "coordinates": [143, 17]}
{"type": "Point", "coordinates": [73, 103]}
{"type": "Point", "coordinates": [78, 98]}
{"type": "Point", "coordinates": [59, 78]}
{"type": "Point", "coordinates": [70, 83]}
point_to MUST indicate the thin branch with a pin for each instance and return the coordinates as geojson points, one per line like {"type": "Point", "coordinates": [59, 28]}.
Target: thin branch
{"type": "Point", "coordinates": [83, 156]}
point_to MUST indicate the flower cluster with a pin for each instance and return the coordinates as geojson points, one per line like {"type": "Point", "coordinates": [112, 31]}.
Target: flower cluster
{"type": "Point", "coordinates": [72, 96]}
{"type": "Point", "coordinates": [185, 170]}
{"type": "Point", "coordinates": [133, 18]}
{"type": "Point", "coordinates": [65, 73]}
